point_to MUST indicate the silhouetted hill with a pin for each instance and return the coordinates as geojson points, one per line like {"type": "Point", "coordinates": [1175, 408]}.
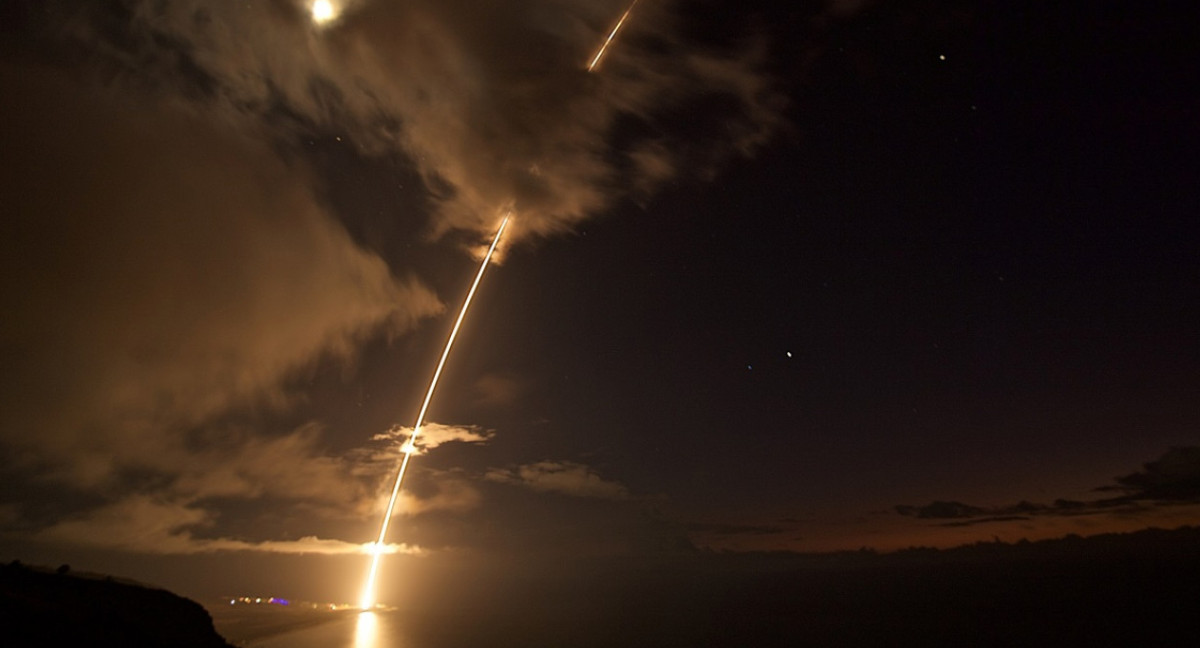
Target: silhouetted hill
{"type": "Point", "coordinates": [45, 608]}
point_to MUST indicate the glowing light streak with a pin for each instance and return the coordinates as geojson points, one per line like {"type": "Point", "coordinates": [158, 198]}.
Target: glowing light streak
{"type": "Point", "coordinates": [613, 34]}
{"type": "Point", "coordinates": [368, 595]}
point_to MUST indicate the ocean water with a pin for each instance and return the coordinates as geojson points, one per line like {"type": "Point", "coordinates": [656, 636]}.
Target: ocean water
{"type": "Point", "coordinates": [610, 604]}
{"type": "Point", "coordinates": [1107, 592]}
{"type": "Point", "coordinates": [363, 630]}
{"type": "Point", "coordinates": [262, 626]}
{"type": "Point", "coordinates": [537, 624]}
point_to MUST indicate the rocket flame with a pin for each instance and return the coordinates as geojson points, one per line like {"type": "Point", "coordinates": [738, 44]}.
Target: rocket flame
{"type": "Point", "coordinates": [604, 46]}
{"type": "Point", "coordinates": [368, 594]}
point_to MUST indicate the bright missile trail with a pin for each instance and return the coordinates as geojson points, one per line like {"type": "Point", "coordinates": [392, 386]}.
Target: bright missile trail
{"type": "Point", "coordinates": [604, 47]}
{"type": "Point", "coordinates": [368, 594]}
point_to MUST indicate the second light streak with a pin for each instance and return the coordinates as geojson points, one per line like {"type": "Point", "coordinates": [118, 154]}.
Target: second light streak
{"type": "Point", "coordinates": [611, 35]}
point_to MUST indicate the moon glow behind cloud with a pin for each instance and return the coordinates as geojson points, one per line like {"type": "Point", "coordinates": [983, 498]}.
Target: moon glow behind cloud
{"type": "Point", "coordinates": [323, 11]}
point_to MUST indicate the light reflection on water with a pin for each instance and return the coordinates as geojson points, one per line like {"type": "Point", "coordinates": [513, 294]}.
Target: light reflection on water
{"type": "Point", "coordinates": [366, 631]}
{"type": "Point", "coordinates": [338, 629]}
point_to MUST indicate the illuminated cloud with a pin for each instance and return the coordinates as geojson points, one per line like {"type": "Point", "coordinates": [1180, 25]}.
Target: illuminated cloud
{"type": "Point", "coordinates": [147, 525]}
{"type": "Point", "coordinates": [151, 291]}
{"type": "Point", "coordinates": [162, 274]}
{"type": "Point", "coordinates": [441, 491]}
{"type": "Point", "coordinates": [305, 545]}
{"type": "Point", "coordinates": [563, 477]}
{"type": "Point", "coordinates": [432, 435]}
{"type": "Point", "coordinates": [290, 466]}
{"type": "Point", "coordinates": [490, 101]}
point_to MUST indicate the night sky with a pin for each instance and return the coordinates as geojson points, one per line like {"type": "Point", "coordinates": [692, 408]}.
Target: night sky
{"type": "Point", "coordinates": [809, 278]}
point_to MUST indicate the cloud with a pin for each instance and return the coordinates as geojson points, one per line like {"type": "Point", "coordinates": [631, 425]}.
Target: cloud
{"type": "Point", "coordinates": [967, 514]}
{"type": "Point", "coordinates": [450, 493]}
{"type": "Point", "coordinates": [494, 390]}
{"type": "Point", "coordinates": [148, 289]}
{"type": "Point", "coordinates": [161, 273]}
{"type": "Point", "coordinates": [491, 101]}
{"type": "Point", "coordinates": [170, 268]}
{"type": "Point", "coordinates": [292, 466]}
{"type": "Point", "coordinates": [726, 529]}
{"type": "Point", "coordinates": [189, 494]}
{"type": "Point", "coordinates": [563, 477]}
{"type": "Point", "coordinates": [138, 522]}
{"type": "Point", "coordinates": [442, 490]}
{"type": "Point", "coordinates": [432, 435]}
{"type": "Point", "coordinates": [1173, 478]}
{"type": "Point", "coordinates": [846, 7]}
{"type": "Point", "coordinates": [985, 520]}
{"type": "Point", "coordinates": [940, 510]}
{"type": "Point", "coordinates": [305, 545]}
{"type": "Point", "coordinates": [146, 524]}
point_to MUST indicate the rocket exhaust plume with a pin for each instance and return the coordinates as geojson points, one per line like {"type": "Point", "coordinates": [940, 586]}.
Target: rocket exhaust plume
{"type": "Point", "coordinates": [611, 35]}
{"type": "Point", "coordinates": [368, 594]}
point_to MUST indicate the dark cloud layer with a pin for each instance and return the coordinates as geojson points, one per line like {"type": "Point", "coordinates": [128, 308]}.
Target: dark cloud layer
{"type": "Point", "coordinates": [1173, 478]}
{"type": "Point", "coordinates": [735, 529]}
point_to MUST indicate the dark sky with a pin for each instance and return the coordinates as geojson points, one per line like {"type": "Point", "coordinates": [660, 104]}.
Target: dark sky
{"type": "Point", "coordinates": [809, 278]}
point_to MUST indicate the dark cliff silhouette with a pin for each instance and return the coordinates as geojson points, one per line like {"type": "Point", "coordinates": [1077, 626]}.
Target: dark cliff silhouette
{"type": "Point", "coordinates": [41, 607]}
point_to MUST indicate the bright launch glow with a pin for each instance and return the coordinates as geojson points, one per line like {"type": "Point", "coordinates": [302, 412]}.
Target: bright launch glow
{"type": "Point", "coordinates": [323, 11]}
{"type": "Point", "coordinates": [367, 601]}
{"type": "Point", "coordinates": [613, 34]}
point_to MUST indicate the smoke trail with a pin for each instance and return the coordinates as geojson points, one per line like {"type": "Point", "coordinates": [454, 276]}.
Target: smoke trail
{"type": "Point", "coordinates": [368, 595]}
{"type": "Point", "coordinates": [604, 46]}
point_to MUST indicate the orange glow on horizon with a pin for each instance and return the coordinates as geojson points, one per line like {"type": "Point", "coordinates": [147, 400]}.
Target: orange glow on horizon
{"type": "Point", "coordinates": [888, 533]}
